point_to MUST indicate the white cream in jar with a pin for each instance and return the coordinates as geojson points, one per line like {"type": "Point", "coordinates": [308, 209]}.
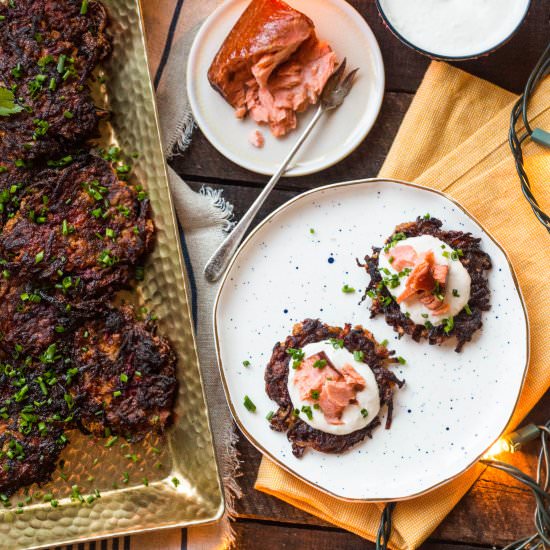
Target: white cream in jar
{"type": "Point", "coordinates": [454, 28]}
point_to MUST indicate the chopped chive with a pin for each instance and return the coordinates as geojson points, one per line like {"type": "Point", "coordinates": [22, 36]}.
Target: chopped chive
{"type": "Point", "coordinates": [448, 325]}
{"type": "Point", "coordinates": [297, 356]}
{"type": "Point", "coordinates": [401, 360]}
{"type": "Point", "coordinates": [111, 441]}
{"type": "Point", "coordinates": [336, 343]}
{"type": "Point", "coordinates": [306, 409]}
{"type": "Point", "coordinates": [249, 405]}
{"type": "Point", "coordinates": [61, 63]}
{"type": "Point", "coordinates": [359, 355]}
{"type": "Point", "coordinates": [246, 363]}
{"type": "Point", "coordinates": [320, 364]}
{"type": "Point", "coordinates": [364, 413]}
{"type": "Point", "coordinates": [346, 289]}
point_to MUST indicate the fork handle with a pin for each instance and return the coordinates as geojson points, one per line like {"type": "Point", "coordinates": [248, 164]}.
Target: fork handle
{"type": "Point", "coordinates": [219, 261]}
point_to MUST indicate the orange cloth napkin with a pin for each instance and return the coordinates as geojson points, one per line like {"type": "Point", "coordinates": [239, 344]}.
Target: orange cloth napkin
{"type": "Point", "coordinates": [454, 138]}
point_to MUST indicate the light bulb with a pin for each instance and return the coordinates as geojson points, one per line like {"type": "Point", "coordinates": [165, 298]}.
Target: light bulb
{"type": "Point", "coordinates": [511, 442]}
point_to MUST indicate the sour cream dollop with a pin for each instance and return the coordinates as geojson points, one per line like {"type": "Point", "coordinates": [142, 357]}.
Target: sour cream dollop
{"type": "Point", "coordinates": [457, 286]}
{"type": "Point", "coordinates": [356, 415]}
{"type": "Point", "coordinates": [455, 28]}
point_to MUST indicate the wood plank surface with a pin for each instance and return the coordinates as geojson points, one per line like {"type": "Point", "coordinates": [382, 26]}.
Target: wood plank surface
{"type": "Point", "coordinates": [497, 510]}
{"type": "Point", "coordinates": [267, 536]}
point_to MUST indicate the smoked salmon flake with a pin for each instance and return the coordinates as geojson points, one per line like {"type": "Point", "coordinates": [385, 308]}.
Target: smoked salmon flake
{"type": "Point", "coordinates": [427, 279]}
{"type": "Point", "coordinates": [335, 388]}
{"type": "Point", "coordinates": [403, 256]}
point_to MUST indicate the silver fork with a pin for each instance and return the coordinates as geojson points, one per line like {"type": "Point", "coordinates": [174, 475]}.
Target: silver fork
{"type": "Point", "coordinates": [335, 91]}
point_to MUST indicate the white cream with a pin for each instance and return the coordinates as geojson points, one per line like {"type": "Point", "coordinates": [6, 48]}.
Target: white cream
{"type": "Point", "coordinates": [458, 280]}
{"type": "Point", "coordinates": [352, 418]}
{"type": "Point", "coordinates": [455, 28]}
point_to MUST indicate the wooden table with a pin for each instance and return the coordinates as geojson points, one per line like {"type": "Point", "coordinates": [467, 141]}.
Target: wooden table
{"type": "Point", "coordinates": [496, 510]}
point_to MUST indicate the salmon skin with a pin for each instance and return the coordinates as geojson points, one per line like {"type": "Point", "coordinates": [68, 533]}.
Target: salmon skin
{"type": "Point", "coordinates": [271, 65]}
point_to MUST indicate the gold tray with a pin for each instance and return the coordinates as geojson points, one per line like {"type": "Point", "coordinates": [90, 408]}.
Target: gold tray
{"type": "Point", "coordinates": [186, 452]}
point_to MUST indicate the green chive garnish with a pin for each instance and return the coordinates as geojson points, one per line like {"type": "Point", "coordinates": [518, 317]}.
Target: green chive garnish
{"type": "Point", "coordinates": [249, 405]}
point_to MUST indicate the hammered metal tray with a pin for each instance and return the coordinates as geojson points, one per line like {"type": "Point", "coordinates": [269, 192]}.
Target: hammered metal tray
{"type": "Point", "coordinates": [161, 482]}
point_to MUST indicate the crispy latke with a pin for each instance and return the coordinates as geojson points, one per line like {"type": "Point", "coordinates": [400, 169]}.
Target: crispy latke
{"type": "Point", "coordinates": [126, 382]}
{"type": "Point", "coordinates": [301, 434]}
{"type": "Point", "coordinates": [48, 50]}
{"type": "Point", "coordinates": [35, 411]}
{"type": "Point", "coordinates": [473, 259]}
{"type": "Point", "coordinates": [79, 228]}
{"type": "Point", "coordinates": [34, 317]}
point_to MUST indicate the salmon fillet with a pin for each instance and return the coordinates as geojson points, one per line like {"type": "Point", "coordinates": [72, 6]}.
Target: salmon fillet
{"type": "Point", "coordinates": [272, 65]}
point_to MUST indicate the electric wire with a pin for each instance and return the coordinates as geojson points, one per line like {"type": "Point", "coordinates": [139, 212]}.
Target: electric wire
{"type": "Point", "coordinates": [385, 527]}
{"type": "Point", "coordinates": [520, 112]}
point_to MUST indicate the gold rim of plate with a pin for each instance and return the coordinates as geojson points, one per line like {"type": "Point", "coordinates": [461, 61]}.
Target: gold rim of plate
{"type": "Point", "coordinates": [186, 452]}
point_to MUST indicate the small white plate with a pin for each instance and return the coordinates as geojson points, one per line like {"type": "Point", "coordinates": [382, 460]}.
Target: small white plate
{"type": "Point", "coordinates": [335, 137]}
{"type": "Point", "coordinates": [453, 405]}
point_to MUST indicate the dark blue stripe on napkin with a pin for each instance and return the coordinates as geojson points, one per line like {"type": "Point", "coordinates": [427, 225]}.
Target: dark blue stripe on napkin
{"type": "Point", "coordinates": [190, 276]}
{"type": "Point", "coordinates": [168, 43]}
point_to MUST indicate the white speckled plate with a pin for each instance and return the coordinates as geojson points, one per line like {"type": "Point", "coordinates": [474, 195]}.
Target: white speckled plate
{"type": "Point", "coordinates": [335, 137]}
{"type": "Point", "coordinates": [453, 406]}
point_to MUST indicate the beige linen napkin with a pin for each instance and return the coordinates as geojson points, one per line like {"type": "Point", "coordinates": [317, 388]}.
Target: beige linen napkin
{"type": "Point", "coordinates": [454, 138]}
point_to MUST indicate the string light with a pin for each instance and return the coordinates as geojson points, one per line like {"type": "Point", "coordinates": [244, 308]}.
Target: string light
{"type": "Point", "coordinates": [510, 443]}
{"type": "Point", "coordinates": [538, 485]}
